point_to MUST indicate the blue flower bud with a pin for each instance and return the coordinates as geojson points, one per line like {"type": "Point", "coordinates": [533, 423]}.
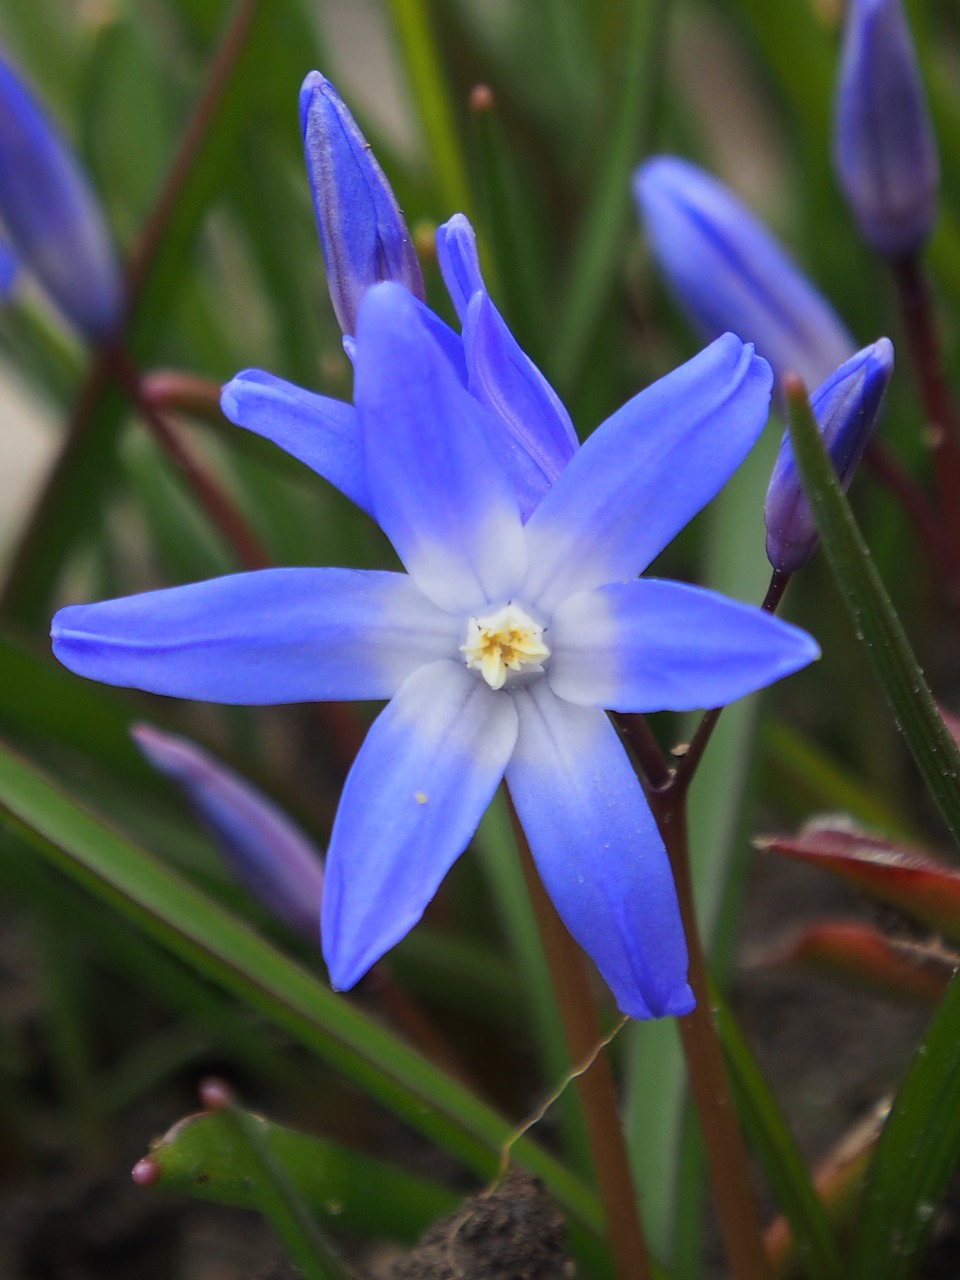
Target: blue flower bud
{"type": "Point", "coordinates": [845, 407]}
{"type": "Point", "coordinates": [52, 216]}
{"type": "Point", "coordinates": [363, 235]}
{"type": "Point", "coordinates": [261, 847]}
{"type": "Point", "coordinates": [728, 273]}
{"type": "Point", "coordinates": [884, 150]}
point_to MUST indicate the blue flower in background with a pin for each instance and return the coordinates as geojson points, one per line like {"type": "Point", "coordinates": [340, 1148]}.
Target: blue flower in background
{"type": "Point", "coordinates": [499, 647]}
{"type": "Point", "coordinates": [52, 216]}
{"type": "Point", "coordinates": [728, 273]}
{"type": "Point", "coordinates": [845, 406]}
{"type": "Point", "coordinates": [9, 268]}
{"type": "Point", "coordinates": [884, 151]}
{"type": "Point", "coordinates": [261, 847]}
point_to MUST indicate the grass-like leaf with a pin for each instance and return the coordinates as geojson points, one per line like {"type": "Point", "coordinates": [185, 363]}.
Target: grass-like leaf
{"type": "Point", "coordinates": [916, 1155]}
{"type": "Point", "coordinates": [200, 1157]}
{"type": "Point", "coordinates": [784, 1166]}
{"type": "Point", "coordinates": [873, 616]}
{"type": "Point", "coordinates": [244, 964]}
{"type": "Point", "coordinates": [920, 1144]}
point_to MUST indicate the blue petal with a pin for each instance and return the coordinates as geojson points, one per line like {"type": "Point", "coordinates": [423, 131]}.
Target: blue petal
{"type": "Point", "coordinates": [598, 851]}
{"type": "Point", "coordinates": [884, 149]}
{"type": "Point", "coordinates": [456, 244]}
{"type": "Point", "coordinates": [277, 635]}
{"type": "Point", "coordinates": [729, 273]}
{"type": "Point", "coordinates": [9, 268]}
{"type": "Point", "coordinates": [316, 430]}
{"type": "Point", "coordinates": [412, 800]}
{"type": "Point", "coordinates": [261, 847]}
{"type": "Point", "coordinates": [363, 235]}
{"type": "Point", "coordinates": [657, 646]}
{"type": "Point", "coordinates": [52, 215]}
{"type": "Point", "coordinates": [439, 494]}
{"type": "Point", "coordinates": [647, 471]}
{"type": "Point", "coordinates": [449, 342]}
{"type": "Point", "coordinates": [537, 438]}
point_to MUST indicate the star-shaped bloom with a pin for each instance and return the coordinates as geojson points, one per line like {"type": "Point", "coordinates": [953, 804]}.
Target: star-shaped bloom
{"type": "Point", "coordinates": [499, 647]}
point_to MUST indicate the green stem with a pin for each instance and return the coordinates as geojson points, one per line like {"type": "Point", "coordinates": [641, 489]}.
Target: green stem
{"type": "Point", "coordinates": [411, 22]}
{"type": "Point", "coordinates": [598, 253]}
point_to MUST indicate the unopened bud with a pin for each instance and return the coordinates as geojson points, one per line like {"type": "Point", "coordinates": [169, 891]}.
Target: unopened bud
{"type": "Point", "coordinates": [884, 150]}
{"type": "Point", "coordinates": [729, 274]}
{"type": "Point", "coordinates": [845, 407]}
{"type": "Point", "coordinates": [363, 234]}
{"type": "Point", "coordinates": [261, 847]}
{"type": "Point", "coordinates": [51, 214]}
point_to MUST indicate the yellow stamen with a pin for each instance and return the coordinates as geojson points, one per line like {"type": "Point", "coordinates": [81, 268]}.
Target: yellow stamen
{"type": "Point", "coordinates": [506, 640]}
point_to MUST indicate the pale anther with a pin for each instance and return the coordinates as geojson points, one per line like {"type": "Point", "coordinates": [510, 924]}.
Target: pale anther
{"type": "Point", "coordinates": [506, 640]}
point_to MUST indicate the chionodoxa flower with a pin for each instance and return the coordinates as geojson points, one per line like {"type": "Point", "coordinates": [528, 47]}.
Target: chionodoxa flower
{"type": "Point", "coordinates": [499, 647]}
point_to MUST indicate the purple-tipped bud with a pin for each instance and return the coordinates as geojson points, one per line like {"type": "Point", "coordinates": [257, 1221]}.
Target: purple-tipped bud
{"type": "Point", "coordinates": [263, 850]}
{"type": "Point", "coordinates": [728, 273]}
{"type": "Point", "coordinates": [52, 216]}
{"type": "Point", "coordinates": [884, 150]}
{"type": "Point", "coordinates": [363, 235]}
{"type": "Point", "coordinates": [845, 407]}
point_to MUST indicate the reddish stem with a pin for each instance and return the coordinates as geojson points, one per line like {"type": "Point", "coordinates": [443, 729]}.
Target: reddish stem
{"type": "Point", "coordinates": [683, 774]}
{"type": "Point", "coordinates": [595, 1086]}
{"type": "Point", "coordinates": [912, 500]}
{"type": "Point", "coordinates": [734, 1196]}
{"type": "Point", "coordinates": [214, 500]}
{"type": "Point", "coordinates": [919, 320]}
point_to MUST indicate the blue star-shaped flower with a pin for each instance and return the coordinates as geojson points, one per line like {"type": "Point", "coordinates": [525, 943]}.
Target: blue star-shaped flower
{"type": "Point", "coordinates": [499, 648]}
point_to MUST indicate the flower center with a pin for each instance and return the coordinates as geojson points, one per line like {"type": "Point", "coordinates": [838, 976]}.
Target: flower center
{"type": "Point", "coordinates": [506, 640]}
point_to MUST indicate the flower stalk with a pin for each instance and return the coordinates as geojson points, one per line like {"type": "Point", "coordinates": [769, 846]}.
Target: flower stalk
{"type": "Point", "coordinates": [667, 789]}
{"type": "Point", "coordinates": [733, 1192]}
{"type": "Point", "coordinates": [920, 328]}
{"type": "Point", "coordinates": [211, 497]}
{"type": "Point", "coordinates": [571, 984]}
